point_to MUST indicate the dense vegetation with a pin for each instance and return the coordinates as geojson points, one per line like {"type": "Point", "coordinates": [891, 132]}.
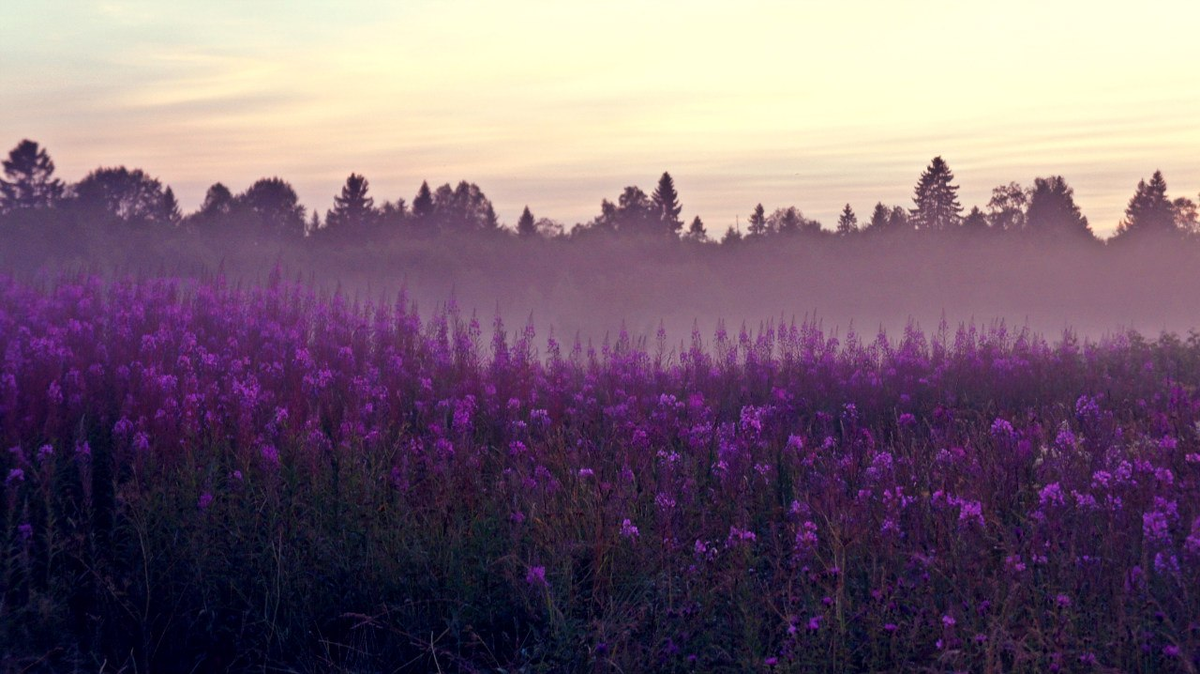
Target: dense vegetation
{"type": "Point", "coordinates": [124, 200]}
{"type": "Point", "coordinates": [202, 477]}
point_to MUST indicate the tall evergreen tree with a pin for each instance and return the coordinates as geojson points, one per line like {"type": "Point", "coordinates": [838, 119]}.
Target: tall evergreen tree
{"type": "Point", "coordinates": [696, 231]}
{"type": "Point", "coordinates": [352, 209]}
{"type": "Point", "coordinates": [526, 225]}
{"type": "Point", "coordinates": [1052, 210]}
{"type": "Point", "coordinates": [422, 205]}
{"type": "Point", "coordinates": [29, 180]}
{"type": "Point", "coordinates": [1149, 212]}
{"type": "Point", "coordinates": [936, 199]}
{"type": "Point", "coordinates": [880, 217]}
{"type": "Point", "coordinates": [758, 222]}
{"type": "Point", "coordinates": [847, 221]}
{"type": "Point", "coordinates": [666, 202]}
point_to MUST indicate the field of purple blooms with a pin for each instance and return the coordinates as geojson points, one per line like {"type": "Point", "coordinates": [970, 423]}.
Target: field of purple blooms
{"type": "Point", "coordinates": [204, 477]}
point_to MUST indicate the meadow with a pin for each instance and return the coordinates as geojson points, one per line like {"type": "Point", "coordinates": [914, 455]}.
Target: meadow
{"type": "Point", "coordinates": [201, 475]}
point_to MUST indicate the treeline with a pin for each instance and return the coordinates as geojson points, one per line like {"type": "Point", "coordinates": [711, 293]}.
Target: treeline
{"type": "Point", "coordinates": [119, 199]}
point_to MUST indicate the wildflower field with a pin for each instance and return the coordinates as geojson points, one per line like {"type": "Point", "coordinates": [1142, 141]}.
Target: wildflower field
{"type": "Point", "coordinates": [200, 476]}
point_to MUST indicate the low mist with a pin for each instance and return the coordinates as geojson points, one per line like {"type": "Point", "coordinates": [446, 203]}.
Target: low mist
{"type": "Point", "coordinates": [595, 287]}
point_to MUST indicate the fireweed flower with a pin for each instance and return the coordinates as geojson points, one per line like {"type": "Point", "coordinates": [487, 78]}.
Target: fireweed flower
{"type": "Point", "coordinates": [1155, 528]}
{"type": "Point", "coordinates": [205, 501]}
{"type": "Point", "coordinates": [629, 530]}
{"type": "Point", "coordinates": [536, 576]}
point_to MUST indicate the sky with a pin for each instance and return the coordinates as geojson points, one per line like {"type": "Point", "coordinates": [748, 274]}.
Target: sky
{"type": "Point", "coordinates": [557, 104]}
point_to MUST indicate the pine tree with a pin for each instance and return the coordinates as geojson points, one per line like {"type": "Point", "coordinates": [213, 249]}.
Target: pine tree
{"type": "Point", "coordinates": [1150, 212]}
{"type": "Point", "coordinates": [666, 203]}
{"type": "Point", "coordinates": [847, 221]}
{"type": "Point", "coordinates": [758, 222]}
{"type": "Point", "coordinates": [696, 231]}
{"type": "Point", "coordinates": [29, 179]}
{"type": "Point", "coordinates": [936, 199]}
{"type": "Point", "coordinates": [526, 225]}
{"type": "Point", "coordinates": [314, 223]}
{"type": "Point", "coordinates": [732, 237]}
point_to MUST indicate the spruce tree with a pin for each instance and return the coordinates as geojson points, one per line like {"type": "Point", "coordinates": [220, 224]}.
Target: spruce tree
{"type": "Point", "coordinates": [666, 203]}
{"type": "Point", "coordinates": [758, 222]}
{"type": "Point", "coordinates": [526, 225]}
{"type": "Point", "coordinates": [1052, 210]}
{"type": "Point", "coordinates": [696, 231]}
{"type": "Point", "coordinates": [352, 209]}
{"type": "Point", "coordinates": [936, 199]}
{"type": "Point", "coordinates": [1150, 212]}
{"type": "Point", "coordinates": [879, 218]}
{"type": "Point", "coordinates": [422, 205]}
{"type": "Point", "coordinates": [847, 221]}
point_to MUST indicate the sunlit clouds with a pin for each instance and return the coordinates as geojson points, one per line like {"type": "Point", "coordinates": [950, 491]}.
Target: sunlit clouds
{"type": "Point", "coordinates": [559, 105]}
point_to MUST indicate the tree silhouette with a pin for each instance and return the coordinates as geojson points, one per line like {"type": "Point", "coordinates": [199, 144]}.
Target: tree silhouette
{"type": "Point", "coordinates": [732, 237]}
{"type": "Point", "coordinates": [975, 221]}
{"type": "Point", "coordinates": [463, 208]}
{"type": "Point", "coordinates": [393, 214]}
{"type": "Point", "coordinates": [666, 202]}
{"type": "Point", "coordinates": [29, 179]}
{"type": "Point", "coordinates": [936, 199]}
{"type": "Point", "coordinates": [1187, 218]}
{"type": "Point", "coordinates": [526, 225]}
{"type": "Point", "coordinates": [880, 217]}
{"type": "Point", "coordinates": [352, 210]}
{"type": "Point", "coordinates": [1149, 212]}
{"type": "Point", "coordinates": [422, 205]}
{"type": "Point", "coordinates": [276, 208]}
{"type": "Point", "coordinates": [696, 231]}
{"type": "Point", "coordinates": [1052, 210]}
{"type": "Point", "coordinates": [120, 196]}
{"type": "Point", "coordinates": [634, 214]}
{"type": "Point", "coordinates": [791, 221]}
{"type": "Point", "coordinates": [549, 229]}
{"type": "Point", "coordinates": [218, 201]}
{"type": "Point", "coordinates": [757, 226]}
{"type": "Point", "coordinates": [847, 221]}
{"type": "Point", "coordinates": [1006, 208]}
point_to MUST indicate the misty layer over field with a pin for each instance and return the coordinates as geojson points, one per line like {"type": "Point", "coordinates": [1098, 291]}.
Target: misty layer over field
{"type": "Point", "coordinates": [592, 288]}
{"type": "Point", "coordinates": [1031, 261]}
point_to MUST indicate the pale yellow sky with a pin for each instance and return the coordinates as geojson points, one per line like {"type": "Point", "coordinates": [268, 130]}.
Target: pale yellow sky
{"type": "Point", "coordinates": [560, 104]}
